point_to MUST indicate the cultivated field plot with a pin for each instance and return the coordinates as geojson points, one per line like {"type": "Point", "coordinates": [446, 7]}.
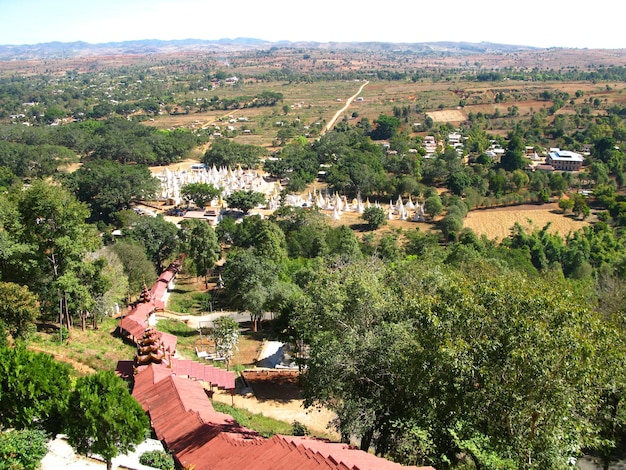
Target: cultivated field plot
{"type": "Point", "coordinates": [497, 223]}
{"type": "Point", "coordinates": [448, 115]}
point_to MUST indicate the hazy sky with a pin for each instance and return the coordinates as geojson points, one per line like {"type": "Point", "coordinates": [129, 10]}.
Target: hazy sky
{"type": "Point", "coordinates": [542, 23]}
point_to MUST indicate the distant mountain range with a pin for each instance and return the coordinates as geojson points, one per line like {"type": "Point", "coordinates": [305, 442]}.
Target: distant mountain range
{"type": "Point", "coordinates": [66, 50]}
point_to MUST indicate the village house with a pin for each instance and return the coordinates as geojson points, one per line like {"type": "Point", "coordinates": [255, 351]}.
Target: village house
{"type": "Point", "coordinates": [454, 138]}
{"type": "Point", "coordinates": [564, 160]}
{"type": "Point", "coordinates": [430, 145]}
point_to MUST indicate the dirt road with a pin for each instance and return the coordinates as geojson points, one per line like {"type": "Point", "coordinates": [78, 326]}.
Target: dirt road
{"type": "Point", "coordinates": [331, 123]}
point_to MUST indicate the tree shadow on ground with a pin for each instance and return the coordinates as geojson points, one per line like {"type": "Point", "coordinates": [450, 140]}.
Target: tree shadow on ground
{"type": "Point", "coordinates": [274, 385]}
{"type": "Point", "coordinates": [361, 227]}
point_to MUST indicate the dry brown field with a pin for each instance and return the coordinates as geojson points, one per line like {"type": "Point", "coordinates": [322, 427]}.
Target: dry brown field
{"type": "Point", "coordinates": [448, 115]}
{"type": "Point", "coordinates": [496, 223]}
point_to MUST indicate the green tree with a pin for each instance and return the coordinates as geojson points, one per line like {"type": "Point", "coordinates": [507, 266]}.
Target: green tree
{"type": "Point", "coordinates": [7, 178]}
{"type": "Point", "coordinates": [227, 153]}
{"type": "Point", "coordinates": [225, 334]}
{"type": "Point", "coordinates": [338, 325]}
{"type": "Point", "coordinates": [477, 140]}
{"type": "Point", "coordinates": [385, 127]}
{"type": "Point", "coordinates": [458, 181]}
{"type": "Point", "coordinates": [158, 237]}
{"type": "Point", "coordinates": [497, 182]}
{"type": "Point", "coordinates": [109, 186]}
{"type": "Point", "coordinates": [433, 206]}
{"type": "Point", "coordinates": [277, 167]}
{"type": "Point", "coordinates": [115, 283]}
{"type": "Point", "coordinates": [15, 251]}
{"type": "Point", "coordinates": [245, 200]}
{"type": "Point", "coordinates": [19, 308]}
{"type": "Point", "coordinates": [580, 207]}
{"type": "Point", "coordinates": [513, 159]}
{"type": "Point", "coordinates": [494, 349]}
{"type": "Point", "coordinates": [298, 161]}
{"type": "Point", "coordinates": [599, 173]}
{"type": "Point", "coordinates": [520, 179]}
{"type": "Point", "coordinates": [305, 231]}
{"type": "Point", "coordinates": [249, 280]}
{"type": "Point", "coordinates": [157, 459]}
{"type": "Point", "coordinates": [33, 389]}
{"type": "Point", "coordinates": [358, 169]}
{"type": "Point", "coordinates": [450, 225]}
{"type": "Point", "coordinates": [103, 418]}
{"type": "Point", "coordinates": [343, 242]}
{"type": "Point", "coordinates": [558, 183]}
{"type": "Point", "coordinates": [54, 224]}
{"type": "Point", "coordinates": [137, 267]}
{"type": "Point", "coordinates": [566, 204]}
{"type": "Point", "coordinates": [199, 241]}
{"type": "Point", "coordinates": [200, 193]}
{"type": "Point", "coordinates": [374, 216]}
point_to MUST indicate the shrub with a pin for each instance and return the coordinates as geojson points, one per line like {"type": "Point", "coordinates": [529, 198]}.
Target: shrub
{"type": "Point", "coordinates": [22, 450]}
{"type": "Point", "coordinates": [157, 459]}
{"type": "Point", "coordinates": [299, 429]}
{"type": "Point", "coordinates": [374, 216]}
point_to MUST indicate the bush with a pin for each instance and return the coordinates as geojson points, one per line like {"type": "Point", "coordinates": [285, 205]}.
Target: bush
{"type": "Point", "coordinates": [374, 216]}
{"type": "Point", "coordinates": [299, 429]}
{"type": "Point", "coordinates": [157, 459]}
{"type": "Point", "coordinates": [22, 450]}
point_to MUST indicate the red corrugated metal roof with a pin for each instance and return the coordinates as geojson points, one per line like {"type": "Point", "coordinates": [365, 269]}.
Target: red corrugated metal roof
{"type": "Point", "coordinates": [125, 369]}
{"type": "Point", "coordinates": [346, 454]}
{"type": "Point", "coordinates": [184, 419]}
{"type": "Point", "coordinates": [136, 322]}
{"type": "Point", "coordinates": [196, 370]}
{"type": "Point", "coordinates": [181, 367]}
{"type": "Point", "coordinates": [169, 342]}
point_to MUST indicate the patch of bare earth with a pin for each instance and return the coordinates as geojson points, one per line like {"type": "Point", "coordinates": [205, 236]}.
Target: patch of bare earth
{"type": "Point", "coordinates": [277, 395]}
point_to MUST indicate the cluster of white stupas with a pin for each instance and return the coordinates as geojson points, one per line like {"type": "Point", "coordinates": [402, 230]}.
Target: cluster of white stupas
{"type": "Point", "coordinates": [226, 179]}
{"type": "Point", "coordinates": [413, 211]}
{"type": "Point", "coordinates": [339, 204]}
{"type": "Point", "coordinates": [229, 180]}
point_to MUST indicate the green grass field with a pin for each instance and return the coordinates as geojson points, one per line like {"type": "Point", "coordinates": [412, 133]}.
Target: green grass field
{"type": "Point", "coordinates": [265, 426]}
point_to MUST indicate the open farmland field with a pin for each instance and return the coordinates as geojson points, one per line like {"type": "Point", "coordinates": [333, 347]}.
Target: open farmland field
{"type": "Point", "coordinates": [308, 77]}
{"type": "Point", "coordinates": [497, 223]}
{"type": "Point", "coordinates": [450, 115]}
{"type": "Point", "coordinates": [313, 104]}
{"type": "Point", "coordinates": [308, 104]}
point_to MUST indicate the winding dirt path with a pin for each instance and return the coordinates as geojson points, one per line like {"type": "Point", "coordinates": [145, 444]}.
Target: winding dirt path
{"type": "Point", "coordinates": [331, 123]}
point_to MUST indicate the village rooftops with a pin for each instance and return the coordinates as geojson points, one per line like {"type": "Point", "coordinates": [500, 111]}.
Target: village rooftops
{"type": "Point", "coordinates": [557, 154]}
{"type": "Point", "coordinates": [564, 160]}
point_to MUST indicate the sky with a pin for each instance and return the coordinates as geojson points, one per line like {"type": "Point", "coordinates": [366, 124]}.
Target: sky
{"type": "Point", "coordinates": [539, 23]}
